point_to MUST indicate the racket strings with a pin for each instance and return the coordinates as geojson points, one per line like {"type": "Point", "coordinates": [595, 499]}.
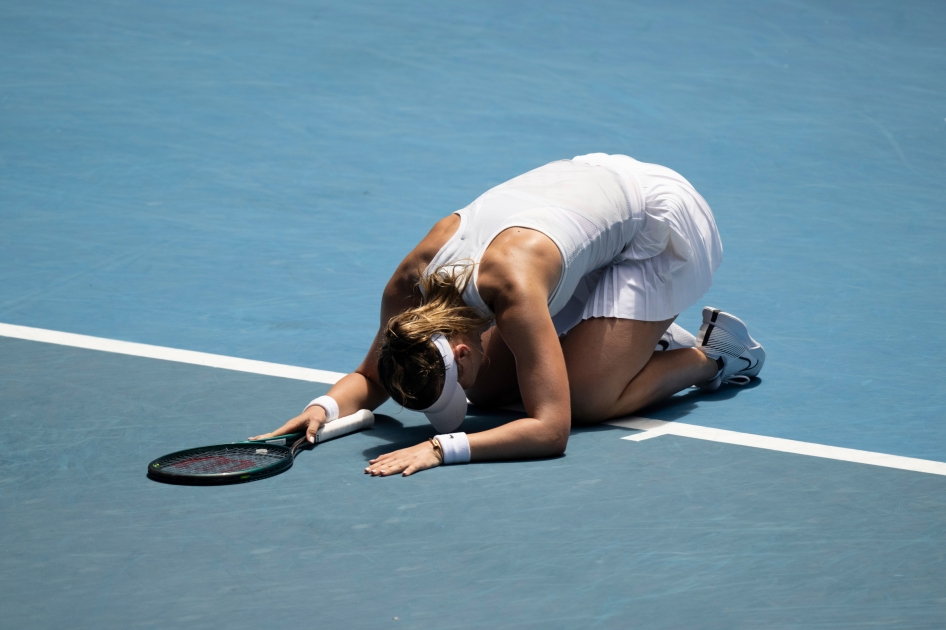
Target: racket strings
{"type": "Point", "coordinates": [232, 459]}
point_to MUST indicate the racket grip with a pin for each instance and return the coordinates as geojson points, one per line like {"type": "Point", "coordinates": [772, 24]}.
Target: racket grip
{"type": "Point", "coordinates": [357, 421]}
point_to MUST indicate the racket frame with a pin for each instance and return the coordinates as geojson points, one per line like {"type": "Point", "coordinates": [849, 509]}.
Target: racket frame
{"type": "Point", "coordinates": [362, 419]}
{"type": "Point", "coordinates": [278, 442]}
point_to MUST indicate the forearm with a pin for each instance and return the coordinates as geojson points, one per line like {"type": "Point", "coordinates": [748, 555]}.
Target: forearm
{"type": "Point", "coordinates": [521, 439]}
{"type": "Point", "coordinates": [543, 384]}
{"type": "Point", "coordinates": [355, 391]}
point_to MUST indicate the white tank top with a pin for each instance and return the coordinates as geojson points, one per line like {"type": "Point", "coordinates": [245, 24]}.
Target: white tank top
{"type": "Point", "coordinates": [590, 211]}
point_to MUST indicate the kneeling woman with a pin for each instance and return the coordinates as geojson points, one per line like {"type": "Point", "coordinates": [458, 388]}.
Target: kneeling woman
{"type": "Point", "coordinates": [557, 289]}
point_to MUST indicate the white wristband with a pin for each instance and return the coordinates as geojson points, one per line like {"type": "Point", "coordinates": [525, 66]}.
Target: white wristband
{"type": "Point", "coordinates": [328, 404]}
{"type": "Point", "coordinates": [456, 448]}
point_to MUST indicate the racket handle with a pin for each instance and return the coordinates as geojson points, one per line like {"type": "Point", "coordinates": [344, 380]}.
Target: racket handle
{"type": "Point", "coordinates": [357, 421]}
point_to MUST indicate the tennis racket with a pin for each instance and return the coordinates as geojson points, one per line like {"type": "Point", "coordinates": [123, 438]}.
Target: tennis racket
{"type": "Point", "coordinates": [247, 461]}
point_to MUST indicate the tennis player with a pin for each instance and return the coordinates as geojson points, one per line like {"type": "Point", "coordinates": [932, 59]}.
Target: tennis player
{"type": "Point", "coordinates": [558, 289]}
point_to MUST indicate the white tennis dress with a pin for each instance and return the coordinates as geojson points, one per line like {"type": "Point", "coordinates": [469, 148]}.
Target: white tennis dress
{"type": "Point", "coordinates": [637, 241]}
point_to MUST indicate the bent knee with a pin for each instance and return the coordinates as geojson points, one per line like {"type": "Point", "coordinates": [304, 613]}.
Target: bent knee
{"type": "Point", "coordinates": [585, 414]}
{"type": "Point", "coordinates": [594, 397]}
{"type": "Point", "coordinates": [589, 404]}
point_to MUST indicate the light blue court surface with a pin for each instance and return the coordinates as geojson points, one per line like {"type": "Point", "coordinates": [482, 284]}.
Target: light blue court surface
{"type": "Point", "coordinates": [240, 178]}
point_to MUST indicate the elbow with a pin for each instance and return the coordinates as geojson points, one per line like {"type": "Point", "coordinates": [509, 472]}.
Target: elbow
{"type": "Point", "coordinates": [561, 445]}
{"type": "Point", "coordinates": [552, 437]}
{"type": "Point", "coordinates": [555, 444]}
{"type": "Point", "coordinates": [546, 437]}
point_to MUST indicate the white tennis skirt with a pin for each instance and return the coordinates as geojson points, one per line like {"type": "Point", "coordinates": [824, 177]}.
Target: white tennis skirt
{"type": "Point", "coordinates": [669, 264]}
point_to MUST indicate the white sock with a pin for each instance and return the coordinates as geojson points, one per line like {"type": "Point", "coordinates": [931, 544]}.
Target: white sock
{"type": "Point", "coordinates": [675, 338]}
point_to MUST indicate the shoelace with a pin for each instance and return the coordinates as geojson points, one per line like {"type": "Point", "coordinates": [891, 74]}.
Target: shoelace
{"type": "Point", "coordinates": [737, 379]}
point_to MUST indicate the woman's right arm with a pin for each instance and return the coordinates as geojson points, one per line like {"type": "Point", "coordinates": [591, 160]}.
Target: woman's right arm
{"type": "Point", "coordinates": [362, 388]}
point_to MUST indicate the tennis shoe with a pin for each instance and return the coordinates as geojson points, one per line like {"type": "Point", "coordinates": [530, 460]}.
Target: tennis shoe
{"type": "Point", "coordinates": [724, 337]}
{"type": "Point", "coordinates": [675, 338]}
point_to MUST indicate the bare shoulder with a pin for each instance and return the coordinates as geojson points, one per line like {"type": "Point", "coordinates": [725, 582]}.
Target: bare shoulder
{"type": "Point", "coordinates": [519, 264]}
{"type": "Point", "coordinates": [407, 274]}
{"type": "Point", "coordinates": [438, 236]}
{"type": "Point", "coordinates": [401, 292]}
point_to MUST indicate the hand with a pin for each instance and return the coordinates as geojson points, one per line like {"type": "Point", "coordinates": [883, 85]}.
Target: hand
{"type": "Point", "coordinates": [309, 421]}
{"type": "Point", "coordinates": [406, 461]}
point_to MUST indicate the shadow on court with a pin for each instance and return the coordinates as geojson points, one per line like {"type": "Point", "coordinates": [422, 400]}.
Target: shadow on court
{"type": "Point", "coordinates": [689, 401]}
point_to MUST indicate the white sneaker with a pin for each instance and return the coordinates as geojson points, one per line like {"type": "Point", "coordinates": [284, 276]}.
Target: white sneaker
{"type": "Point", "coordinates": [675, 338]}
{"type": "Point", "coordinates": [724, 337]}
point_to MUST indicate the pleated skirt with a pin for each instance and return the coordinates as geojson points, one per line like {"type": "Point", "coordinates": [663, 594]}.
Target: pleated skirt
{"type": "Point", "coordinates": [669, 264]}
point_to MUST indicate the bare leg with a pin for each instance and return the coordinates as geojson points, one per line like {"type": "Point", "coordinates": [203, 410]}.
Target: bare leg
{"type": "Point", "coordinates": [614, 371]}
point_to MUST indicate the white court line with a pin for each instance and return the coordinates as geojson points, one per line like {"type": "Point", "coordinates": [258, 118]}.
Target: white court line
{"type": "Point", "coordinates": [655, 428]}
{"type": "Point", "coordinates": [170, 354]}
{"type": "Point", "coordinates": [650, 428]}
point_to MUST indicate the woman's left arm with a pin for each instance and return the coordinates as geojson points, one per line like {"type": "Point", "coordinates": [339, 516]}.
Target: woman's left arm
{"type": "Point", "coordinates": [517, 274]}
{"type": "Point", "coordinates": [523, 320]}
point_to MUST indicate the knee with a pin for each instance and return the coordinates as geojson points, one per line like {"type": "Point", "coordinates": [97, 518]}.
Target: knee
{"type": "Point", "coordinates": [589, 404]}
{"type": "Point", "coordinates": [588, 412]}
{"type": "Point", "coordinates": [595, 397]}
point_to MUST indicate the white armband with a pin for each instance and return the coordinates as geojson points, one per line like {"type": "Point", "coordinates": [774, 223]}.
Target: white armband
{"type": "Point", "coordinates": [456, 448]}
{"type": "Point", "coordinates": [328, 404]}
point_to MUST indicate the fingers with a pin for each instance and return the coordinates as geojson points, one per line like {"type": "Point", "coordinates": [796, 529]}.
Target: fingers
{"type": "Point", "coordinates": [313, 419]}
{"type": "Point", "coordinates": [406, 461]}
{"type": "Point", "coordinates": [293, 426]}
{"type": "Point", "coordinates": [383, 468]}
{"type": "Point", "coordinates": [310, 421]}
{"type": "Point", "coordinates": [312, 429]}
{"type": "Point", "coordinates": [387, 464]}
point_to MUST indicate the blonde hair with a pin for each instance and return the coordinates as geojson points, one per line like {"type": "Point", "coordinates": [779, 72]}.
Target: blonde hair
{"type": "Point", "coordinates": [410, 365]}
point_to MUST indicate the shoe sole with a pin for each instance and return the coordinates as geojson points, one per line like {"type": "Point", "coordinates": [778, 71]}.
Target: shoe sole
{"type": "Point", "coordinates": [713, 317]}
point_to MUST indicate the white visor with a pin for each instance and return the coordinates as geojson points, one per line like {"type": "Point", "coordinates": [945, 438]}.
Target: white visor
{"type": "Point", "coordinates": [448, 412]}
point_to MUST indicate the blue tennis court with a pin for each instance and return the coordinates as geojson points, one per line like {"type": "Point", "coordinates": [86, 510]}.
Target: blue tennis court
{"type": "Point", "coordinates": [191, 185]}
